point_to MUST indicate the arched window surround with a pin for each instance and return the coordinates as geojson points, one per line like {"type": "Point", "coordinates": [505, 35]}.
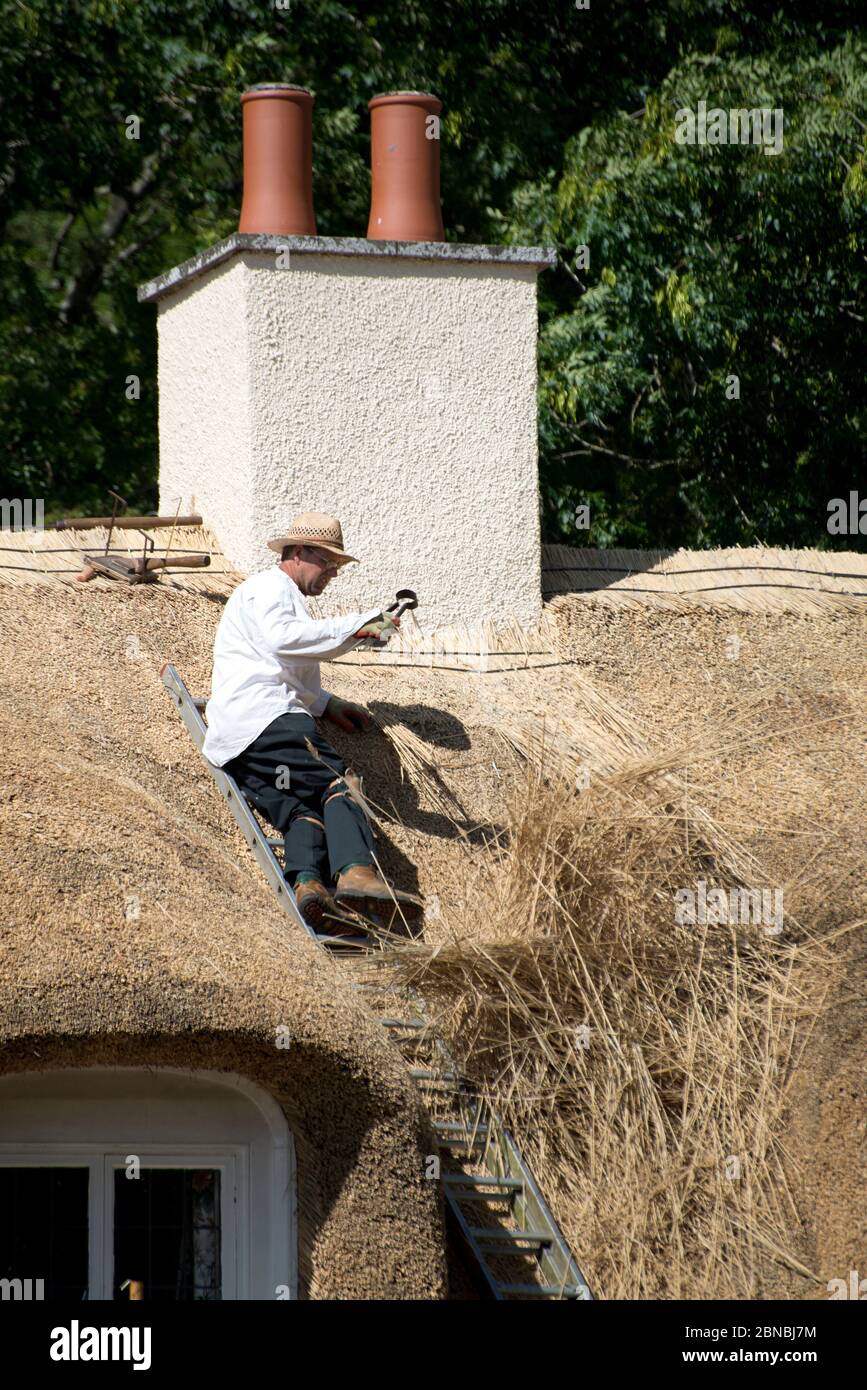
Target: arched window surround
{"type": "Point", "coordinates": [171, 1117]}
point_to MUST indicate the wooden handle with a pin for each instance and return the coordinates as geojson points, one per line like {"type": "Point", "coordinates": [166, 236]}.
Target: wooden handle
{"type": "Point", "coordinates": [187, 562]}
{"type": "Point", "coordinates": [141, 523]}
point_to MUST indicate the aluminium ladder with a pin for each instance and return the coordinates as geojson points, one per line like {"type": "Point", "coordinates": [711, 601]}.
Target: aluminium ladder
{"type": "Point", "coordinates": [468, 1132]}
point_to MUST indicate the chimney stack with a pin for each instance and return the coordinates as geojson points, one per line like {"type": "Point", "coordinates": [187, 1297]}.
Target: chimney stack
{"type": "Point", "coordinates": [387, 380]}
{"type": "Point", "coordinates": [278, 160]}
{"type": "Point", "coordinates": [405, 168]}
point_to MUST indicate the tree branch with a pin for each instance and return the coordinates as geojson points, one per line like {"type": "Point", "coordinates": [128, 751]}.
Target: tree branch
{"type": "Point", "coordinates": [82, 286]}
{"type": "Point", "coordinates": [57, 244]}
{"type": "Point", "coordinates": [612, 453]}
{"type": "Point", "coordinates": [582, 287]}
{"type": "Point", "coordinates": [135, 246]}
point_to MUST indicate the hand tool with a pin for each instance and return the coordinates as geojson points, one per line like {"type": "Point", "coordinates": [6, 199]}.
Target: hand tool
{"type": "Point", "coordinates": [139, 569]}
{"type": "Point", "coordinates": [404, 600]}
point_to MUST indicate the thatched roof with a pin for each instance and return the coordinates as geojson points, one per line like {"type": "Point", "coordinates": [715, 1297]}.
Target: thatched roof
{"type": "Point", "coordinates": [57, 558]}
{"type": "Point", "coordinates": [749, 579]}
{"type": "Point", "coordinates": [137, 931]}
{"type": "Point", "coordinates": [738, 758]}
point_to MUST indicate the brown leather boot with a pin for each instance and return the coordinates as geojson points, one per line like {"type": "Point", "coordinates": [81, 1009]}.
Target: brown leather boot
{"type": "Point", "coordinates": [363, 890]}
{"type": "Point", "coordinates": [318, 909]}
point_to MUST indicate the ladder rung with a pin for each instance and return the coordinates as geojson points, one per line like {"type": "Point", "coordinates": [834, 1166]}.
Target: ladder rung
{"type": "Point", "coordinates": [546, 1290]}
{"type": "Point", "coordinates": [416, 1023]}
{"type": "Point", "coordinates": [419, 1074]}
{"type": "Point", "coordinates": [470, 1180]}
{"type": "Point", "coordinates": [468, 1196]}
{"type": "Point", "coordinates": [508, 1237]}
{"type": "Point", "coordinates": [455, 1127]}
{"type": "Point", "coordinates": [350, 943]}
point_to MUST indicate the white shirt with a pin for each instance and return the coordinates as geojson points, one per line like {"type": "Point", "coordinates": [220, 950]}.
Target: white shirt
{"type": "Point", "coordinates": [265, 662]}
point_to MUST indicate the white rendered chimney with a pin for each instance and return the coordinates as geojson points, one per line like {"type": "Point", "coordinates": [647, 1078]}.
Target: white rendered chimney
{"type": "Point", "coordinates": [391, 384]}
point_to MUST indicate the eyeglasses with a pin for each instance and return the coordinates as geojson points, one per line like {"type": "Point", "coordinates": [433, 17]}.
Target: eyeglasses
{"type": "Point", "coordinates": [325, 562]}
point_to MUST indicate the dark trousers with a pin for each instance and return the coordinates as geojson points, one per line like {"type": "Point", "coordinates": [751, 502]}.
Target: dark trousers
{"type": "Point", "coordinates": [287, 784]}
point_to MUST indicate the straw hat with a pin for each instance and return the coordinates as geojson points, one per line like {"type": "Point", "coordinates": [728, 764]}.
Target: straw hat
{"type": "Point", "coordinates": [315, 528]}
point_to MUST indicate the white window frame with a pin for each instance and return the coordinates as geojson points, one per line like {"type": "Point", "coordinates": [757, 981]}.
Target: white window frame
{"type": "Point", "coordinates": [102, 1277]}
{"type": "Point", "coordinates": [258, 1198]}
{"type": "Point", "coordinates": [233, 1165]}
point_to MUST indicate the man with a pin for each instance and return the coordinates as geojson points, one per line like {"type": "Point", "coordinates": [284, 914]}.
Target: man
{"type": "Point", "coordinates": [265, 692]}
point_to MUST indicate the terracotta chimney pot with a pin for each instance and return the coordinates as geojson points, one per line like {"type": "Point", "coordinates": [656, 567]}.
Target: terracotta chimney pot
{"type": "Point", "coordinates": [405, 168]}
{"type": "Point", "coordinates": [278, 160]}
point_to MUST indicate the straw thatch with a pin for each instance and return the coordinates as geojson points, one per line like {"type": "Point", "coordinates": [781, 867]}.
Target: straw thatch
{"type": "Point", "coordinates": [136, 930]}
{"type": "Point", "coordinates": [548, 806]}
{"type": "Point", "coordinates": [753, 579]}
{"type": "Point", "coordinates": [740, 579]}
{"type": "Point", "coordinates": [56, 558]}
{"type": "Point", "coordinates": [663, 1137]}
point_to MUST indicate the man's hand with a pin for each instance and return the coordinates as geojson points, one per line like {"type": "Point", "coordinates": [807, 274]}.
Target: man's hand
{"type": "Point", "coordinates": [346, 715]}
{"type": "Point", "coordinates": [380, 627]}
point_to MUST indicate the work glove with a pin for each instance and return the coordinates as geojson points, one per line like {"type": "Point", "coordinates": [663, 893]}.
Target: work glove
{"type": "Point", "coordinates": [381, 627]}
{"type": "Point", "coordinates": [346, 715]}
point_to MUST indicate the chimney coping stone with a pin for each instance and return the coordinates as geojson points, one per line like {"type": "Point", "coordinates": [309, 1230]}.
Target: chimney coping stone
{"type": "Point", "coordinates": [542, 257]}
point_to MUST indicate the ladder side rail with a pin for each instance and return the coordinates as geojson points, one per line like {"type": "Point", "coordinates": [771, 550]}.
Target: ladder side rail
{"type": "Point", "coordinates": [557, 1264]}
{"type": "Point", "coordinates": [232, 794]}
{"type": "Point", "coordinates": [491, 1280]}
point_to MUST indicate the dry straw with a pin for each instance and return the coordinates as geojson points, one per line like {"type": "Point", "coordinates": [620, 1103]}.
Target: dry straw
{"type": "Point", "coordinates": [749, 579]}
{"type": "Point", "coordinates": [641, 1062]}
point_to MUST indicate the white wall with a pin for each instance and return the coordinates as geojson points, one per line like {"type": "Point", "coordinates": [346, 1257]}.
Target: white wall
{"type": "Point", "coordinates": [204, 406]}
{"type": "Point", "coordinates": [397, 394]}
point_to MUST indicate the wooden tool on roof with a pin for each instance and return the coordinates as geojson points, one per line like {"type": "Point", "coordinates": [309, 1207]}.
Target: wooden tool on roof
{"type": "Point", "coordinates": [141, 523]}
{"type": "Point", "coordinates": [136, 569]}
{"type": "Point", "coordinates": [139, 569]}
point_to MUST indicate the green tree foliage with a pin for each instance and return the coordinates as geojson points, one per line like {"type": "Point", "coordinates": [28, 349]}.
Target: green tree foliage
{"type": "Point", "coordinates": [704, 377]}
{"type": "Point", "coordinates": [558, 124]}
